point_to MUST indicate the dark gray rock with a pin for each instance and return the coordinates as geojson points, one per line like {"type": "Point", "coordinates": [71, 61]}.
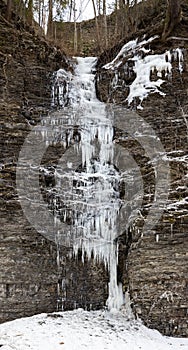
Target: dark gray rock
{"type": "Point", "coordinates": [154, 266]}
{"type": "Point", "coordinates": [30, 278]}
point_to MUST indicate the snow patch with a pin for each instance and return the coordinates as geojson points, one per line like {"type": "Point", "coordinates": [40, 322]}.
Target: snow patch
{"type": "Point", "coordinates": [161, 64]}
{"type": "Point", "coordinates": [78, 330]}
{"type": "Point", "coordinates": [130, 47]}
{"type": "Point", "coordinates": [142, 86]}
{"type": "Point", "coordinates": [178, 204]}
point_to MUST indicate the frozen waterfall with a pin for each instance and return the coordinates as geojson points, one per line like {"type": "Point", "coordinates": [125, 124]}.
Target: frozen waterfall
{"type": "Point", "coordinates": [86, 179]}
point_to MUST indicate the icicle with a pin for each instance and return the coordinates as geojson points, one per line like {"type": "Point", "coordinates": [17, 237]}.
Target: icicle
{"type": "Point", "coordinates": [180, 59]}
{"type": "Point", "coordinates": [89, 196]}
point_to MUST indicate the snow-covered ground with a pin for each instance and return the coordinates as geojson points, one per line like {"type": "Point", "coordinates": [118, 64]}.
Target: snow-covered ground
{"type": "Point", "coordinates": [79, 329]}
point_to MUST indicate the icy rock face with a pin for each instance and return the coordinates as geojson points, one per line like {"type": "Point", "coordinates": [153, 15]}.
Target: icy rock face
{"type": "Point", "coordinates": [140, 72]}
{"type": "Point", "coordinates": [87, 182]}
{"type": "Point", "coordinates": [152, 79]}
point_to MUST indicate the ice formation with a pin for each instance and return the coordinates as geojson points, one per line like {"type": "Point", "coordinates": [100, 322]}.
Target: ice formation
{"type": "Point", "coordinates": [131, 47]}
{"type": "Point", "coordinates": [144, 67]}
{"type": "Point", "coordinates": [86, 180]}
{"type": "Point", "coordinates": [142, 86]}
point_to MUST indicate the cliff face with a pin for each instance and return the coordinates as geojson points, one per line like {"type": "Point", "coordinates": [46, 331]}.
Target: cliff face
{"type": "Point", "coordinates": [155, 270]}
{"type": "Point", "coordinates": [26, 63]}
{"type": "Point", "coordinates": [153, 266]}
{"type": "Point", "coordinates": [30, 278]}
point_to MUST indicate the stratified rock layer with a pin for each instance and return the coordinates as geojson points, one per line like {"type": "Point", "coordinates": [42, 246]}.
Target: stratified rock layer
{"type": "Point", "coordinates": [153, 267]}
{"type": "Point", "coordinates": [27, 260]}
{"type": "Point", "coordinates": [155, 270]}
{"type": "Point", "coordinates": [30, 277]}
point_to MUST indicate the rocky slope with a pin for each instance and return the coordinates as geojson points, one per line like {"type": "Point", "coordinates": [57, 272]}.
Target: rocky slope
{"type": "Point", "coordinates": [155, 270]}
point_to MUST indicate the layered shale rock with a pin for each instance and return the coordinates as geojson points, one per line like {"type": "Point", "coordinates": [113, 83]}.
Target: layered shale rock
{"type": "Point", "coordinates": [152, 264]}
{"type": "Point", "coordinates": [155, 267]}
{"type": "Point", "coordinates": [30, 280]}
{"type": "Point", "coordinates": [27, 260]}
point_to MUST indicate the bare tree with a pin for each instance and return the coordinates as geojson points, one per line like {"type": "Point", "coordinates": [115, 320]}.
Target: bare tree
{"type": "Point", "coordinates": [75, 30]}
{"type": "Point", "coordinates": [30, 12]}
{"type": "Point", "coordinates": [50, 19]}
{"type": "Point", "coordinates": [173, 15]}
{"type": "Point", "coordinates": [99, 7]}
{"type": "Point", "coordinates": [116, 17]}
{"type": "Point", "coordinates": [105, 24]}
{"type": "Point", "coordinates": [97, 26]}
{"type": "Point", "coordinates": [71, 8]}
{"type": "Point", "coordinates": [8, 10]}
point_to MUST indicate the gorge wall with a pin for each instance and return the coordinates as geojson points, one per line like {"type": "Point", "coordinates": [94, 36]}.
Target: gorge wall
{"type": "Point", "coordinates": [157, 260]}
{"type": "Point", "coordinates": [120, 24]}
{"type": "Point", "coordinates": [152, 267]}
{"type": "Point", "coordinates": [30, 281]}
{"type": "Point", "coordinates": [26, 63]}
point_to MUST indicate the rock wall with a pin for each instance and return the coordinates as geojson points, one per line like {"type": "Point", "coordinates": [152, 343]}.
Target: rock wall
{"type": "Point", "coordinates": [30, 278]}
{"type": "Point", "coordinates": [87, 44]}
{"type": "Point", "coordinates": [154, 263]}
{"type": "Point", "coordinates": [152, 267]}
{"type": "Point", "coordinates": [27, 260]}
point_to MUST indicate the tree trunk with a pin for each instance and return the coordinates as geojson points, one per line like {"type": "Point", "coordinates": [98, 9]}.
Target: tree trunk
{"type": "Point", "coordinates": [97, 26]}
{"type": "Point", "coordinates": [71, 7]}
{"type": "Point", "coordinates": [39, 12]}
{"type": "Point", "coordinates": [122, 18]}
{"type": "Point", "coordinates": [75, 31]}
{"type": "Point", "coordinates": [105, 24]}
{"type": "Point", "coordinates": [30, 12]}
{"type": "Point", "coordinates": [50, 20]}
{"type": "Point", "coordinates": [173, 15]}
{"type": "Point", "coordinates": [116, 18]}
{"type": "Point", "coordinates": [99, 7]}
{"type": "Point", "coordinates": [8, 10]}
